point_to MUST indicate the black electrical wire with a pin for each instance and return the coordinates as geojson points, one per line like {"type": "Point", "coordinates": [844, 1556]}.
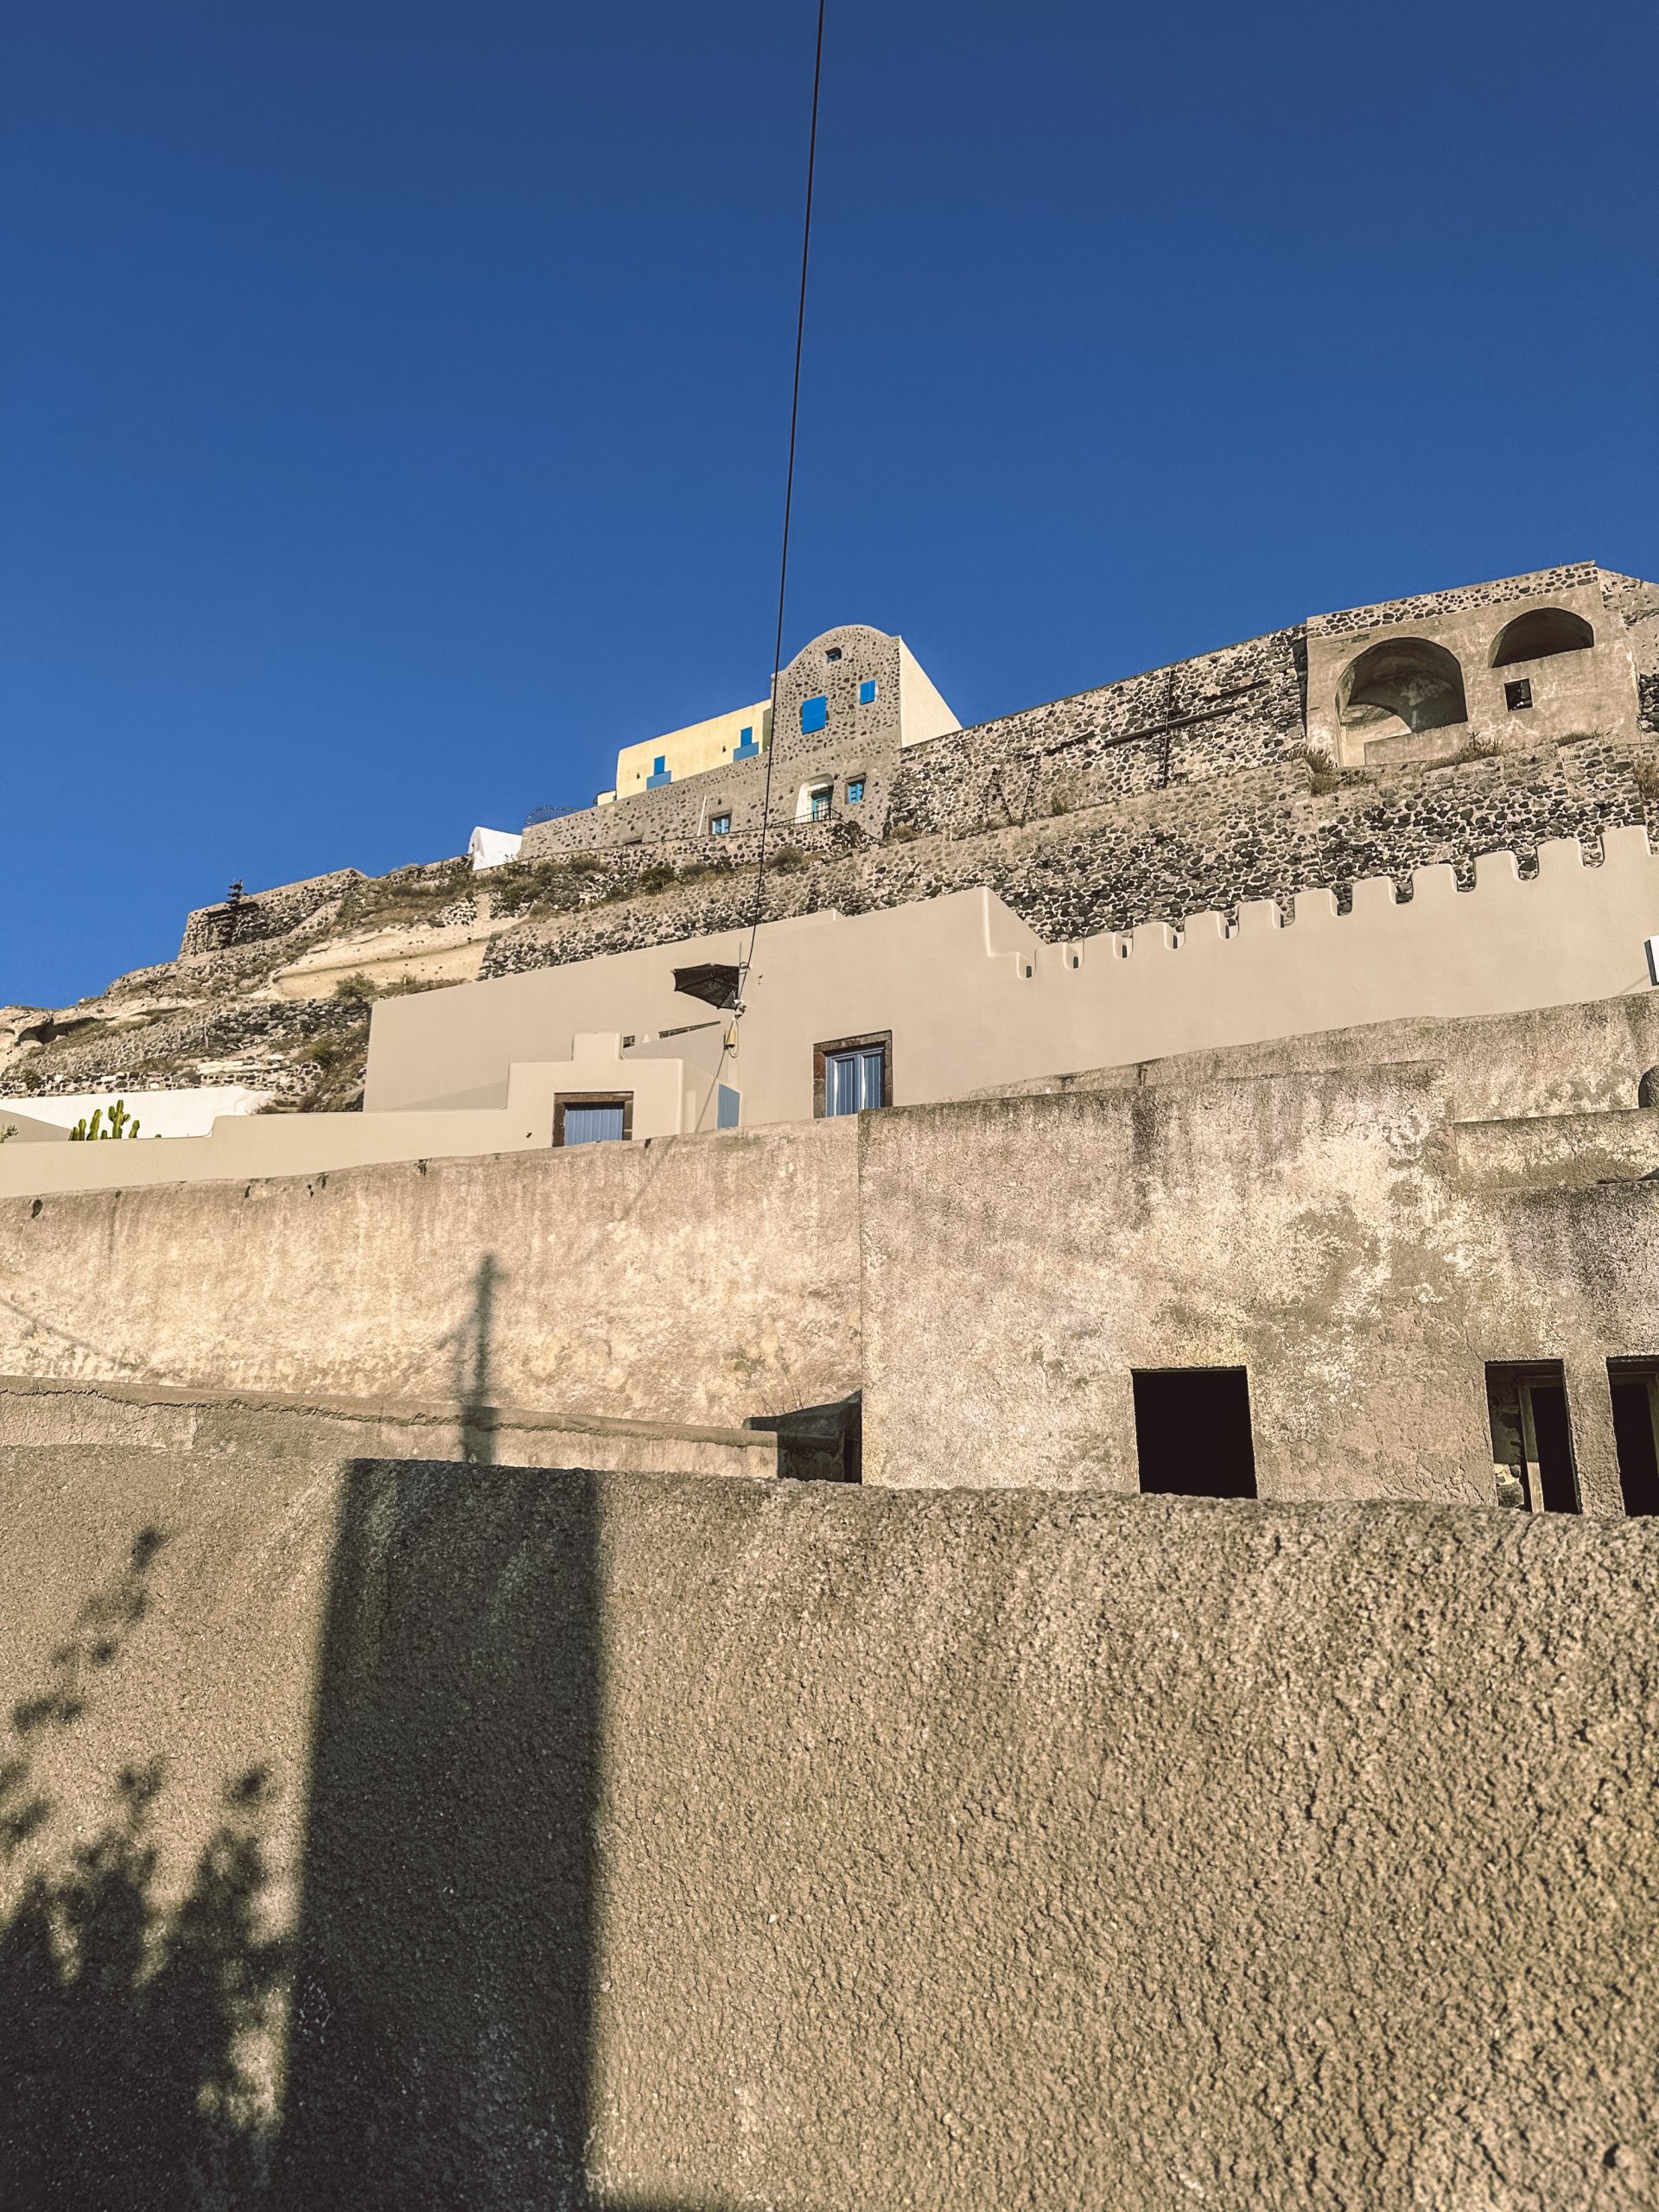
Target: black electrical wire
{"type": "Point", "coordinates": [789, 503]}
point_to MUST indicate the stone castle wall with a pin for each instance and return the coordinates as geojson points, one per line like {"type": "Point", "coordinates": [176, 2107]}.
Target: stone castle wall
{"type": "Point", "coordinates": [1184, 788]}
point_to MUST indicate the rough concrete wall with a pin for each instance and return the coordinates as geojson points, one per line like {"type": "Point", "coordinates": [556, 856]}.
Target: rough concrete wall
{"type": "Point", "coordinates": [1021, 1260]}
{"type": "Point", "coordinates": [1568, 1060]}
{"type": "Point", "coordinates": [699, 1281]}
{"type": "Point", "coordinates": [989, 1274]}
{"type": "Point", "coordinates": [323, 1433]}
{"type": "Point", "coordinates": [642, 1844]}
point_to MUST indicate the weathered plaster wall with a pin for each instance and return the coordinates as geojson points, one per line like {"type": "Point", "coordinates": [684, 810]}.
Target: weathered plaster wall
{"type": "Point", "coordinates": [988, 1274]}
{"type": "Point", "coordinates": [689, 1280]}
{"type": "Point", "coordinates": [1566, 1060]}
{"type": "Point", "coordinates": [1310, 1228]}
{"type": "Point", "coordinates": [688, 1845]}
{"type": "Point", "coordinates": [323, 1433]}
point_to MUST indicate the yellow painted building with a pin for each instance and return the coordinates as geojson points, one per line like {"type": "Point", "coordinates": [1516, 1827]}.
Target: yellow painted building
{"type": "Point", "coordinates": [740, 735]}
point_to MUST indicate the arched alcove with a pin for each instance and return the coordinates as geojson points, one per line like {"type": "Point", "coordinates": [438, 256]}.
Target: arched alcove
{"type": "Point", "coordinates": [1647, 1091]}
{"type": "Point", "coordinates": [1539, 632]}
{"type": "Point", "coordinates": [1408, 679]}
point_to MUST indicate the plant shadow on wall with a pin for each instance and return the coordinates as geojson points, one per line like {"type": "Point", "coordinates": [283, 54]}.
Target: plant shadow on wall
{"type": "Point", "coordinates": [126, 2028]}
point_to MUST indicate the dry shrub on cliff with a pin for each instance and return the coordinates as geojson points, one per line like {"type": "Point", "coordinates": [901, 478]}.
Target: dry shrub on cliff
{"type": "Point", "coordinates": [1322, 775]}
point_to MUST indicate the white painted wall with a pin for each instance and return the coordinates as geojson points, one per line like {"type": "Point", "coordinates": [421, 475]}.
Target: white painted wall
{"type": "Point", "coordinates": [159, 1113]}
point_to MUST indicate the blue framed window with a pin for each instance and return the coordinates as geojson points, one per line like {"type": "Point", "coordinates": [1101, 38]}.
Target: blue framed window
{"type": "Point", "coordinates": [818, 802]}
{"type": "Point", "coordinates": [728, 1107]}
{"type": "Point", "coordinates": [719, 826]}
{"type": "Point", "coordinates": [852, 1077]}
{"type": "Point", "coordinates": [746, 748]}
{"type": "Point", "coordinates": [854, 790]}
{"type": "Point", "coordinates": [660, 773]}
{"type": "Point", "coordinates": [594, 1119]}
{"type": "Point", "coordinates": [867, 692]}
{"type": "Point", "coordinates": [815, 712]}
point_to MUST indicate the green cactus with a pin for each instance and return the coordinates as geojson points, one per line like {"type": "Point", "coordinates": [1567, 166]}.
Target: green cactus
{"type": "Point", "coordinates": [92, 1132]}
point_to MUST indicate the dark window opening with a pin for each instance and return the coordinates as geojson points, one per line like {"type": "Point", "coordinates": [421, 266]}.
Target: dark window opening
{"type": "Point", "coordinates": [1532, 1435]}
{"type": "Point", "coordinates": [853, 1075]}
{"type": "Point", "coordinates": [1192, 1431]}
{"type": "Point", "coordinates": [1518, 693]}
{"type": "Point", "coordinates": [1647, 1091]}
{"type": "Point", "coordinates": [1635, 1386]}
{"type": "Point", "coordinates": [592, 1117]}
{"type": "Point", "coordinates": [832, 652]}
{"type": "Point", "coordinates": [818, 1443]}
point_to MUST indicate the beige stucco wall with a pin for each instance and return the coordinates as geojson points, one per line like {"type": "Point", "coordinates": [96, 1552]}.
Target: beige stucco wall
{"type": "Point", "coordinates": [1327, 1232]}
{"type": "Point", "coordinates": [674, 1844]}
{"type": "Point", "coordinates": [671, 1093]}
{"type": "Point", "coordinates": [922, 709]}
{"type": "Point", "coordinates": [690, 751]}
{"type": "Point", "coordinates": [989, 1275]}
{"type": "Point", "coordinates": [975, 1000]}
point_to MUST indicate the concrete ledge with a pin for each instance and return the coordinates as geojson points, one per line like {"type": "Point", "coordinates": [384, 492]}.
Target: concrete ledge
{"type": "Point", "coordinates": [272, 1425]}
{"type": "Point", "coordinates": [1560, 1151]}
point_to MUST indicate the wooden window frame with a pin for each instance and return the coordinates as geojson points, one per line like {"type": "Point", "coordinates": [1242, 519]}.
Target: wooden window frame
{"type": "Point", "coordinates": [820, 1067]}
{"type": "Point", "coordinates": [564, 1099]}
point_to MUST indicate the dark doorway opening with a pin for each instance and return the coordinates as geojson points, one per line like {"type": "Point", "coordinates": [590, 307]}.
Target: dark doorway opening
{"type": "Point", "coordinates": [819, 1444]}
{"type": "Point", "coordinates": [1532, 1432]}
{"type": "Point", "coordinates": [1192, 1431]}
{"type": "Point", "coordinates": [1635, 1386]}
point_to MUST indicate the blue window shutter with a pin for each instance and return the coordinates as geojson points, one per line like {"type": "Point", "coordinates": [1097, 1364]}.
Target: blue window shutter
{"type": "Point", "coordinates": [592, 1124]}
{"type": "Point", "coordinates": [867, 692]}
{"type": "Point", "coordinates": [727, 1105]}
{"type": "Point", "coordinates": [815, 712]}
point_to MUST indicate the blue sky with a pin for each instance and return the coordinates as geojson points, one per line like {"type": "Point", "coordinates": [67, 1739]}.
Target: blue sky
{"type": "Point", "coordinates": [393, 397]}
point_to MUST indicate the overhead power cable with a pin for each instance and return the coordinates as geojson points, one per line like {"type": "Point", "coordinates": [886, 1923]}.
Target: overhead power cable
{"type": "Point", "coordinates": [788, 504]}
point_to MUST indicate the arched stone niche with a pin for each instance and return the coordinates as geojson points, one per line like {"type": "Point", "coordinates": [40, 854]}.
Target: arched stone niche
{"type": "Point", "coordinates": [1396, 690]}
{"type": "Point", "coordinates": [1540, 633]}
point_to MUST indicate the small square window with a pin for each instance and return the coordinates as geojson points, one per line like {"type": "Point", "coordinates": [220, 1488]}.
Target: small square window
{"type": "Point", "coordinates": [815, 712]}
{"type": "Point", "coordinates": [719, 826]}
{"type": "Point", "coordinates": [1518, 693]}
{"type": "Point", "coordinates": [593, 1117]}
{"type": "Point", "coordinates": [854, 790]}
{"type": "Point", "coordinates": [832, 652]}
{"type": "Point", "coordinates": [818, 802]}
{"type": "Point", "coordinates": [867, 692]}
{"type": "Point", "coordinates": [854, 1075]}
